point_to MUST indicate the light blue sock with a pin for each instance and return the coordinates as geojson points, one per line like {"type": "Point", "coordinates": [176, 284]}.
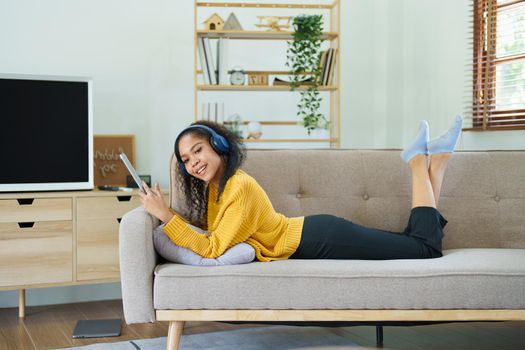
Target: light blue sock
{"type": "Point", "coordinates": [419, 146]}
{"type": "Point", "coordinates": [447, 141]}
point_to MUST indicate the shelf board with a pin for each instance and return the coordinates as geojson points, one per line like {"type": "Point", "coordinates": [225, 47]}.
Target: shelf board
{"type": "Point", "coordinates": [290, 140]}
{"type": "Point", "coordinates": [256, 34]}
{"type": "Point", "coordinates": [268, 72]}
{"type": "Point", "coordinates": [258, 88]}
{"type": "Point", "coordinates": [267, 122]}
{"type": "Point", "coordinates": [256, 5]}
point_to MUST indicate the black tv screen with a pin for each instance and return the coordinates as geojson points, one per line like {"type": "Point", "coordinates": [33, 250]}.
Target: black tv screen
{"type": "Point", "coordinates": [45, 134]}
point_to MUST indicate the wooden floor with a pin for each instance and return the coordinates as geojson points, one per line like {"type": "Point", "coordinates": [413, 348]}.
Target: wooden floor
{"type": "Point", "coordinates": [48, 327]}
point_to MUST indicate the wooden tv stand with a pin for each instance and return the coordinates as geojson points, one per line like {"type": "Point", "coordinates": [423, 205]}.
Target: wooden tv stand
{"type": "Point", "coordinates": [51, 239]}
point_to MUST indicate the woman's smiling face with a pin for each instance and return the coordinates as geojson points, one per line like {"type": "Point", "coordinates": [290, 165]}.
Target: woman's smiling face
{"type": "Point", "coordinates": [200, 159]}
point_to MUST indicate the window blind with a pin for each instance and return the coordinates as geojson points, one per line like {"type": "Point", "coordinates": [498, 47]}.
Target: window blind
{"type": "Point", "coordinates": [498, 70]}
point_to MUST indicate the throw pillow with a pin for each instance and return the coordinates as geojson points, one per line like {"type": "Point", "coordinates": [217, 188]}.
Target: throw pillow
{"type": "Point", "coordinates": [241, 253]}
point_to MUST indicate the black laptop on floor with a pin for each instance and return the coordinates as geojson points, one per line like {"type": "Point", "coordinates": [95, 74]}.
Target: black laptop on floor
{"type": "Point", "coordinates": [97, 328]}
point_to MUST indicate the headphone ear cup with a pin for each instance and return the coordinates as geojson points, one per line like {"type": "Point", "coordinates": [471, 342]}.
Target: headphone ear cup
{"type": "Point", "coordinates": [220, 143]}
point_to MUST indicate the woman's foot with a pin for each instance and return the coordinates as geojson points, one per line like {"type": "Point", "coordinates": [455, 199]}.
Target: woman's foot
{"type": "Point", "coordinates": [419, 146]}
{"type": "Point", "coordinates": [447, 141]}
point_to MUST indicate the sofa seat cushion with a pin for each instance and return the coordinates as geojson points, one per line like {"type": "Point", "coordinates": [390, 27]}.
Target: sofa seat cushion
{"type": "Point", "coordinates": [462, 279]}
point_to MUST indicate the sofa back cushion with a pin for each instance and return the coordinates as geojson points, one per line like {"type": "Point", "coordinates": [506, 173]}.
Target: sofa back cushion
{"type": "Point", "coordinates": [483, 193]}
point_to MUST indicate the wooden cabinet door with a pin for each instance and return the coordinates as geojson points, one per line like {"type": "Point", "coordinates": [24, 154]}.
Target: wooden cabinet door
{"type": "Point", "coordinates": [97, 249]}
{"type": "Point", "coordinates": [97, 231]}
{"type": "Point", "coordinates": [36, 253]}
{"type": "Point", "coordinates": [97, 228]}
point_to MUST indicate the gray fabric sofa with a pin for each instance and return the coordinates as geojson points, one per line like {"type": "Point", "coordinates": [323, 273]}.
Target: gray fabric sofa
{"type": "Point", "coordinates": [481, 275]}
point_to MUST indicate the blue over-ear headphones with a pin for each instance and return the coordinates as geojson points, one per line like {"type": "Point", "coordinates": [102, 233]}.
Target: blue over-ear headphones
{"type": "Point", "coordinates": [218, 142]}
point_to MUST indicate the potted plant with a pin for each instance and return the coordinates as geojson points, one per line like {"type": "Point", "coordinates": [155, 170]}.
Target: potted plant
{"type": "Point", "coordinates": [303, 59]}
{"type": "Point", "coordinates": [234, 123]}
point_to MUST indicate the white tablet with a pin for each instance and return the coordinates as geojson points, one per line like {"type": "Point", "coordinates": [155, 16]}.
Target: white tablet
{"type": "Point", "coordinates": [132, 171]}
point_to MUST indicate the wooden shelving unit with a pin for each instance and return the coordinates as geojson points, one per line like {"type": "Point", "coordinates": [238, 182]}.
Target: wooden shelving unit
{"type": "Point", "coordinates": [332, 35]}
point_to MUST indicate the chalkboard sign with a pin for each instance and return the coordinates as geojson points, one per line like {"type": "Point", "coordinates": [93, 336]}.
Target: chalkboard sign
{"type": "Point", "coordinates": [108, 168]}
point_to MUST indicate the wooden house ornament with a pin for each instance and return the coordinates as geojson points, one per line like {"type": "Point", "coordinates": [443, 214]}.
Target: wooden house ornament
{"type": "Point", "coordinates": [232, 23]}
{"type": "Point", "coordinates": [214, 22]}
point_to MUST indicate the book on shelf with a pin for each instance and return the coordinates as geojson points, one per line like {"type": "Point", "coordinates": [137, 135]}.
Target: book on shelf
{"type": "Point", "coordinates": [327, 66]}
{"type": "Point", "coordinates": [204, 64]}
{"type": "Point", "coordinates": [222, 63]}
{"type": "Point", "coordinates": [322, 64]}
{"type": "Point", "coordinates": [209, 60]}
{"type": "Point", "coordinates": [332, 67]}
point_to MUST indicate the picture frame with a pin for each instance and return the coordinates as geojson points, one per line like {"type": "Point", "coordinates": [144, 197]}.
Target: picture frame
{"type": "Point", "coordinates": [108, 169]}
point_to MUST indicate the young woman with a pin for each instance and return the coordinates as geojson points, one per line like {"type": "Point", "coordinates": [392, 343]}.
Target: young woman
{"type": "Point", "coordinates": [232, 206]}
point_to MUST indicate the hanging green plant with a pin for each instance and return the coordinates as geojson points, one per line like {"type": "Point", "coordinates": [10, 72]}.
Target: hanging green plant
{"type": "Point", "coordinates": [302, 57]}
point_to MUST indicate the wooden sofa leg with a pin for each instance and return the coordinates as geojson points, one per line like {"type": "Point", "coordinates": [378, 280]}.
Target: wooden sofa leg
{"type": "Point", "coordinates": [174, 335]}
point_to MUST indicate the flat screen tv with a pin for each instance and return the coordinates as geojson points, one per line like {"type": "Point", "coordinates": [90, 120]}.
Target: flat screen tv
{"type": "Point", "coordinates": [46, 136]}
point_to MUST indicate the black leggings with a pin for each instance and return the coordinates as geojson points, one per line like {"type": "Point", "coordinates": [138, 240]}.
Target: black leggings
{"type": "Point", "coordinates": [331, 237]}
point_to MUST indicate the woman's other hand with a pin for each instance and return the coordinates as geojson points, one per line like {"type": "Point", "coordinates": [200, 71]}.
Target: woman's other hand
{"type": "Point", "coordinates": [153, 202]}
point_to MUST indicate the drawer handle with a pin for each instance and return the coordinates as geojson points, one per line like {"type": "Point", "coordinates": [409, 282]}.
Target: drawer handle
{"type": "Point", "coordinates": [119, 220]}
{"type": "Point", "coordinates": [25, 201]}
{"type": "Point", "coordinates": [124, 198]}
{"type": "Point", "coordinates": [26, 224]}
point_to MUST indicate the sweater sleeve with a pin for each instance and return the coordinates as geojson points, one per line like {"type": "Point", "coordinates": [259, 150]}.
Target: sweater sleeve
{"type": "Point", "coordinates": [232, 229]}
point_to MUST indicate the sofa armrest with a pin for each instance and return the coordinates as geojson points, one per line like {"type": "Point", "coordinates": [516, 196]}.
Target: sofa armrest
{"type": "Point", "coordinates": [137, 263]}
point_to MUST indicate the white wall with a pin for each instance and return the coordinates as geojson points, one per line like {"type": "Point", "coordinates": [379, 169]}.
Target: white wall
{"type": "Point", "coordinates": [139, 54]}
{"type": "Point", "coordinates": [403, 60]}
{"type": "Point", "coordinates": [406, 61]}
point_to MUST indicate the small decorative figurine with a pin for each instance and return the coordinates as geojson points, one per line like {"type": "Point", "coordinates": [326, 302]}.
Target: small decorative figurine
{"type": "Point", "coordinates": [232, 23]}
{"type": "Point", "coordinates": [234, 123]}
{"type": "Point", "coordinates": [214, 22]}
{"type": "Point", "coordinates": [276, 23]}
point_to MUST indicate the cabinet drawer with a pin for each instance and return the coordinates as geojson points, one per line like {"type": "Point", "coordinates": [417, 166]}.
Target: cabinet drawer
{"type": "Point", "coordinates": [97, 249]}
{"type": "Point", "coordinates": [38, 209]}
{"type": "Point", "coordinates": [37, 254]}
{"type": "Point", "coordinates": [106, 207]}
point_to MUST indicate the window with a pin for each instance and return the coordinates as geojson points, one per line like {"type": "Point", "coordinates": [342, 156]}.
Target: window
{"type": "Point", "coordinates": [499, 65]}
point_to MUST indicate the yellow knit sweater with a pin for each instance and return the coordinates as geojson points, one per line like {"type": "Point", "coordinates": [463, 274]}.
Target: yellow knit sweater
{"type": "Point", "coordinates": [243, 214]}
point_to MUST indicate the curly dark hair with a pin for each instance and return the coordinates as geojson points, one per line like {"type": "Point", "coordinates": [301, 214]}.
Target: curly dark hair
{"type": "Point", "coordinates": [195, 190]}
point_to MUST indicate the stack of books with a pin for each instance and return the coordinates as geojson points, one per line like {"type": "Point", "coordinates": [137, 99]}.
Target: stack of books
{"type": "Point", "coordinates": [214, 72]}
{"type": "Point", "coordinates": [212, 111]}
{"type": "Point", "coordinates": [327, 63]}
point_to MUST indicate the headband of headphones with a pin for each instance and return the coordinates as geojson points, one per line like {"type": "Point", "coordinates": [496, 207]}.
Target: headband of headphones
{"type": "Point", "coordinates": [218, 142]}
